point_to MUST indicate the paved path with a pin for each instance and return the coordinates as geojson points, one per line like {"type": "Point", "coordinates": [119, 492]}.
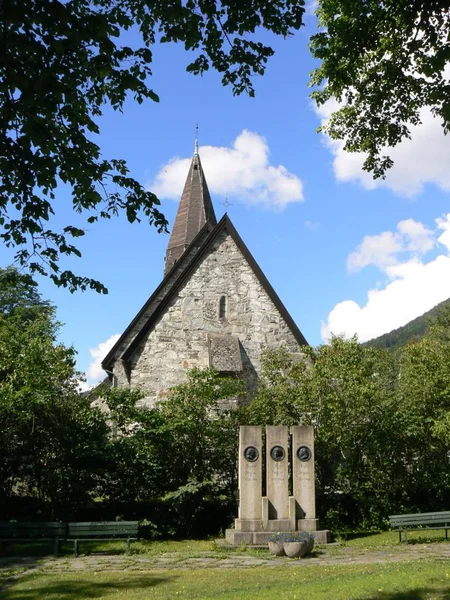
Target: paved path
{"type": "Point", "coordinates": [330, 556]}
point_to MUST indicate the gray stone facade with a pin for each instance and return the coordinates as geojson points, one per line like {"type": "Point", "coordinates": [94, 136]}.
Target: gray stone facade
{"type": "Point", "coordinates": [222, 296]}
{"type": "Point", "coordinates": [213, 308]}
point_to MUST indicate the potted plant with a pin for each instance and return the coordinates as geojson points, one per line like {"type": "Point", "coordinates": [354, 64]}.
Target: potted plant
{"type": "Point", "coordinates": [310, 540]}
{"type": "Point", "coordinates": [295, 544]}
{"type": "Point", "coordinates": [276, 544]}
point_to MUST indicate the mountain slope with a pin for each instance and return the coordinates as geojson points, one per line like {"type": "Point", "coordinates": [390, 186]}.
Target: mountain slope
{"type": "Point", "coordinates": [412, 330]}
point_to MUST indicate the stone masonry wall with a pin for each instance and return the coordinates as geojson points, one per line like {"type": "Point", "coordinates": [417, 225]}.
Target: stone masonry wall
{"type": "Point", "coordinates": [119, 372]}
{"type": "Point", "coordinates": [179, 339]}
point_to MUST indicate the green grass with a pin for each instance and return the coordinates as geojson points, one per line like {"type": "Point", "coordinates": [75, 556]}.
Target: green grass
{"type": "Point", "coordinates": [371, 540]}
{"type": "Point", "coordinates": [196, 548]}
{"type": "Point", "coordinates": [6, 574]}
{"type": "Point", "coordinates": [415, 580]}
{"type": "Point", "coordinates": [183, 548]}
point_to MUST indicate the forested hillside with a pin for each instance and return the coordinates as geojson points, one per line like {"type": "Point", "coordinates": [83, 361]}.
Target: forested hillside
{"type": "Point", "coordinates": [413, 330]}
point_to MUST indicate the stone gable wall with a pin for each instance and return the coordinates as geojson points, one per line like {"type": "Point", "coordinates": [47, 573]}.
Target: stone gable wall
{"type": "Point", "coordinates": [118, 369]}
{"type": "Point", "coordinates": [179, 339]}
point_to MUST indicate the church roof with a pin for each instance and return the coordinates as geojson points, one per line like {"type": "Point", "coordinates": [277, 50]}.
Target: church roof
{"type": "Point", "coordinates": [195, 209]}
{"type": "Point", "coordinates": [175, 279]}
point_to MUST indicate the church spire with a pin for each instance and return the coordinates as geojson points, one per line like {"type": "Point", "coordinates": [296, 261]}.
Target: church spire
{"type": "Point", "coordinates": [194, 211]}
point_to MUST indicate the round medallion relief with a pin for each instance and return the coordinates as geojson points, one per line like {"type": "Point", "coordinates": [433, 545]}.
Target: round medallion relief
{"type": "Point", "coordinates": [277, 453]}
{"type": "Point", "coordinates": [251, 453]}
{"type": "Point", "coordinates": [304, 453]}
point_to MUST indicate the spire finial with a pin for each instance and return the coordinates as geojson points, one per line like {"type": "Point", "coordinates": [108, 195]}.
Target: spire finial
{"type": "Point", "coordinates": [196, 139]}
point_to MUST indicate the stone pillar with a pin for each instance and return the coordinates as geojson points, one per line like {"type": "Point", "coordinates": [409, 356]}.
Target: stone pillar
{"type": "Point", "coordinates": [277, 474]}
{"type": "Point", "coordinates": [303, 475]}
{"type": "Point", "coordinates": [250, 473]}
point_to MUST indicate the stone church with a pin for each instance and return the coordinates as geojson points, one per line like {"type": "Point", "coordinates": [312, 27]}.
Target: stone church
{"type": "Point", "coordinates": [213, 308]}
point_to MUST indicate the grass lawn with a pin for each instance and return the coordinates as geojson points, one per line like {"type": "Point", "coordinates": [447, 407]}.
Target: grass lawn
{"type": "Point", "coordinates": [415, 580]}
{"type": "Point", "coordinates": [193, 548]}
{"type": "Point", "coordinates": [390, 538]}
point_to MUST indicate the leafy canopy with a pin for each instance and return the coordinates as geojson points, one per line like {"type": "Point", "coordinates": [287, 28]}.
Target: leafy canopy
{"type": "Point", "coordinates": [381, 423]}
{"type": "Point", "coordinates": [50, 437]}
{"type": "Point", "coordinates": [60, 63]}
{"type": "Point", "coordinates": [180, 454]}
{"type": "Point", "coordinates": [383, 62]}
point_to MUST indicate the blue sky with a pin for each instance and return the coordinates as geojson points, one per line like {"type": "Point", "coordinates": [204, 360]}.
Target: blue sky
{"type": "Point", "coordinates": [344, 254]}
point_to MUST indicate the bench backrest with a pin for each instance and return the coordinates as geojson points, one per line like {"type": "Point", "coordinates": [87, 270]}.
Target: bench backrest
{"type": "Point", "coordinates": [420, 519]}
{"type": "Point", "coordinates": [32, 531]}
{"type": "Point", "coordinates": [110, 529]}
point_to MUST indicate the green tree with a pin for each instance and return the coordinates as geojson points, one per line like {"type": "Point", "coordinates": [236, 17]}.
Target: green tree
{"type": "Point", "coordinates": [424, 398]}
{"type": "Point", "coordinates": [383, 62]}
{"type": "Point", "coordinates": [200, 429]}
{"type": "Point", "coordinates": [60, 63]}
{"type": "Point", "coordinates": [381, 423]}
{"type": "Point", "coordinates": [178, 457]}
{"type": "Point", "coordinates": [51, 438]}
{"type": "Point", "coordinates": [135, 455]}
{"type": "Point", "coordinates": [346, 391]}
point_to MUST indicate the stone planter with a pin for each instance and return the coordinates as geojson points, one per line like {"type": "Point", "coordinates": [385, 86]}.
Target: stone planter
{"type": "Point", "coordinates": [310, 545]}
{"type": "Point", "coordinates": [295, 549]}
{"type": "Point", "coordinates": [276, 548]}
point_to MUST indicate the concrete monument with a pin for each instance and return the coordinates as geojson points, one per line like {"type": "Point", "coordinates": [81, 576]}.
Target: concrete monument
{"type": "Point", "coordinates": [260, 516]}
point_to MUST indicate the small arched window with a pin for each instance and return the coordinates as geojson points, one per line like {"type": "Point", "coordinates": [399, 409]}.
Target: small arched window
{"type": "Point", "coordinates": [222, 307]}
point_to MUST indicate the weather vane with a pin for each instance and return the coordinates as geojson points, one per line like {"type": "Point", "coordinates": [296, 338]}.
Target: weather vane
{"type": "Point", "coordinates": [196, 139]}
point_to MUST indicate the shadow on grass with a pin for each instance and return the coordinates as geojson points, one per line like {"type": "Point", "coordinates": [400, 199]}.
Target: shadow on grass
{"type": "Point", "coordinates": [355, 535]}
{"type": "Point", "coordinates": [424, 539]}
{"type": "Point", "coordinates": [45, 549]}
{"type": "Point", "coordinates": [416, 594]}
{"type": "Point", "coordinates": [38, 548]}
{"type": "Point", "coordinates": [77, 589]}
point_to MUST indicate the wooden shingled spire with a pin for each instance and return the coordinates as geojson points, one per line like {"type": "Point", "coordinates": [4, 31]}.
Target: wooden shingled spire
{"type": "Point", "coordinates": [194, 211]}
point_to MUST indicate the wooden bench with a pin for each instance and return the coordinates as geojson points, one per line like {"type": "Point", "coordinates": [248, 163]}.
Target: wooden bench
{"type": "Point", "coordinates": [33, 532]}
{"type": "Point", "coordinates": [108, 531]}
{"type": "Point", "coordinates": [420, 521]}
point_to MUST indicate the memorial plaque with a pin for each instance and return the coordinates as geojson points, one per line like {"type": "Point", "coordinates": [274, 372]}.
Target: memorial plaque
{"type": "Point", "coordinates": [277, 471]}
{"type": "Point", "coordinates": [250, 473]}
{"type": "Point", "coordinates": [251, 453]}
{"type": "Point", "coordinates": [224, 353]}
{"type": "Point", "coordinates": [277, 453]}
{"type": "Point", "coordinates": [304, 453]}
{"type": "Point", "coordinates": [303, 469]}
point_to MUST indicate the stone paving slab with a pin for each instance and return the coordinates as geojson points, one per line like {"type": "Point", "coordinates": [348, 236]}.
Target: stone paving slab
{"type": "Point", "coordinates": [344, 555]}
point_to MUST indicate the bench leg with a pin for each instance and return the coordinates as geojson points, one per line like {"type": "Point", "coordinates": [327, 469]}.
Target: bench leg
{"type": "Point", "coordinates": [128, 546]}
{"type": "Point", "coordinates": [399, 537]}
{"type": "Point", "coordinates": [75, 548]}
{"type": "Point", "coordinates": [56, 547]}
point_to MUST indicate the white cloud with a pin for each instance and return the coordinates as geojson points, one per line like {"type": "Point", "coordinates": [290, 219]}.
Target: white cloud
{"type": "Point", "coordinates": [413, 287]}
{"type": "Point", "coordinates": [95, 373]}
{"type": "Point", "coordinates": [84, 386]}
{"type": "Point", "coordinates": [379, 250]}
{"type": "Point", "coordinates": [419, 238]}
{"type": "Point", "coordinates": [241, 171]}
{"type": "Point", "coordinates": [423, 159]}
{"type": "Point", "coordinates": [383, 250]}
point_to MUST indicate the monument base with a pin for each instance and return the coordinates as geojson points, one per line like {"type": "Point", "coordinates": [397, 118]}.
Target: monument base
{"type": "Point", "coordinates": [261, 538]}
{"type": "Point", "coordinates": [271, 526]}
{"type": "Point", "coordinates": [307, 524]}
